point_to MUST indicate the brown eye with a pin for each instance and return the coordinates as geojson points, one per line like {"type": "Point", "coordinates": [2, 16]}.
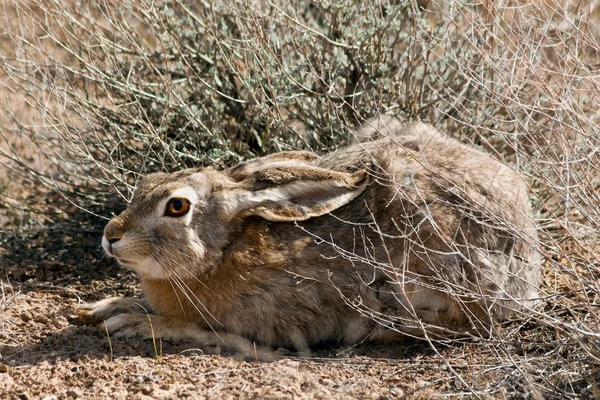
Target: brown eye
{"type": "Point", "coordinates": [177, 207]}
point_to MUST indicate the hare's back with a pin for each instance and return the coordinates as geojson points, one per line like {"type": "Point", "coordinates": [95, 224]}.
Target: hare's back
{"type": "Point", "coordinates": [427, 166]}
{"type": "Point", "coordinates": [420, 148]}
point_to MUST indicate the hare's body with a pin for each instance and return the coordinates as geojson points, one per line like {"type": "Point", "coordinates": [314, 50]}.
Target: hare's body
{"type": "Point", "coordinates": [415, 232]}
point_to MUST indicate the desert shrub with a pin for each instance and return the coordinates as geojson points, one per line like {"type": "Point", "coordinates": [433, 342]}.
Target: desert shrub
{"type": "Point", "coordinates": [101, 92]}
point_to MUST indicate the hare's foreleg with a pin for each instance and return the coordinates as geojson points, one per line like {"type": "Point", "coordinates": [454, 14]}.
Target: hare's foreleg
{"type": "Point", "coordinates": [173, 329]}
{"type": "Point", "coordinates": [109, 307]}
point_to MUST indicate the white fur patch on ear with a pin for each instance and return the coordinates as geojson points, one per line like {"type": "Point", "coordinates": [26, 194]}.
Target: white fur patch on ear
{"type": "Point", "coordinates": [273, 194]}
{"type": "Point", "coordinates": [303, 189]}
{"type": "Point", "coordinates": [231, 205]}
{"type": "Point", "coordinates": [186, 192]}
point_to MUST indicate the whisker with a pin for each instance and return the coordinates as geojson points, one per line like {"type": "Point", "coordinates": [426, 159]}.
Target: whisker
{"type": "Point", "coordinates": [179, 265]}
{"type": "Point", "coordinates": [185, 289]}
{"type": "Point", "coordinates": [170, 283]}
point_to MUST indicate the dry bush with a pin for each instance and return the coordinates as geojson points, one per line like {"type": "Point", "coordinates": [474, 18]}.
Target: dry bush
{"type": "Point", "coordinates": [101, 92]}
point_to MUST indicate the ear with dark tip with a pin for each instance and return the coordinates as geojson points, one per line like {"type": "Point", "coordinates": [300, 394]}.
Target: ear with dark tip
{"type": "Point", "coordinates": [245, 169]}
{"type": "Point", "coordinates": [296, 192]}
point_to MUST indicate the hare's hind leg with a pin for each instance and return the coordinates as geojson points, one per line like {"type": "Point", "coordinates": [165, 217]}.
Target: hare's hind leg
{"type": "Point", "coordinates": [421, 310]}
{"type": "Point", "coordinates": [109, 307]}
{"type": "Point", "coordinates": [427, 325]}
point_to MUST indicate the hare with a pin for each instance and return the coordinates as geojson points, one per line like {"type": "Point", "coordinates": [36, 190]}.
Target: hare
{"type": "Point", "coordinates": [405, 232]}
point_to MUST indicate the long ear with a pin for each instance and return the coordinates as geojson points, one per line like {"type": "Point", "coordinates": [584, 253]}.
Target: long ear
{"type": "Point", "coordinates": [296, 192]}
{"type": "Point", "coordinates": [244, 170]}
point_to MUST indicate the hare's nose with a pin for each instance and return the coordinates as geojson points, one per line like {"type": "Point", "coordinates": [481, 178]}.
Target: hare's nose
{"type": "Point", "coordinates": [113, 231]}
{"type": "Point", "coordinates": [107, 244]}
{"type": "Point", "coordinates": [109, 239]}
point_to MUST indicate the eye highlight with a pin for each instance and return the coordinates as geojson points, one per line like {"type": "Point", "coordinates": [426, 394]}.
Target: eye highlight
{"type": "Point", "coordinates": [177, 207]}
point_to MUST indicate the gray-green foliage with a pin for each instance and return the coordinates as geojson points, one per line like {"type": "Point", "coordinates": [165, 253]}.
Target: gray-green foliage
{"type": "Point", "coordinates": [145, 86]}
{"type": "Point", "coordinates": [126, 88]}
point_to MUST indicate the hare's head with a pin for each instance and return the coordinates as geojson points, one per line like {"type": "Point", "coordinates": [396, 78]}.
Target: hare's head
{"type": "Point", "coordinates": [178, 224]}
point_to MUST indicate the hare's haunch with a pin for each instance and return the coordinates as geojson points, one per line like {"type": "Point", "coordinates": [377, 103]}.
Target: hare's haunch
{"type": "Point", "coordinates": [405, 232]}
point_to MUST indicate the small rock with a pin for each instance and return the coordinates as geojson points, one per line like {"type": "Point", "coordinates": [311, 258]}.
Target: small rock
{"type": "Point", "coordinates": [147, 391]}
{"type": "Point", "coordinates": [26, 316]}
{"type": "Point", "coordinates": [3, 368]}
{"type": "Point", "coordinates": [72, 393]}
{"type": "Point", "coordinates": [41, 319]}
{"type": "Point", "coordinates": [19, 274]}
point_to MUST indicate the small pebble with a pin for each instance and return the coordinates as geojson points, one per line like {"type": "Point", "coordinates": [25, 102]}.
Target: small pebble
{"type": "Point", "coordinates": [25, 316]}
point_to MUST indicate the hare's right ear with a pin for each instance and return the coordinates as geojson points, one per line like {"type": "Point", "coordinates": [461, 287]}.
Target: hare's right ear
{"type": "Point", "coordinates": [293, 192]}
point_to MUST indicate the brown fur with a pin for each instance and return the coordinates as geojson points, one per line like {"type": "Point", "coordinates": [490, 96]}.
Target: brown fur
{"type": "Point", "coordinates": [407, 227]}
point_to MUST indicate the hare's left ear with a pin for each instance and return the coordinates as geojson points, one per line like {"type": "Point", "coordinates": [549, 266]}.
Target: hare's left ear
{"type": "Point", "coordinates": [294, 192]}
{"type": "Point", "coordinates": [284, 158]}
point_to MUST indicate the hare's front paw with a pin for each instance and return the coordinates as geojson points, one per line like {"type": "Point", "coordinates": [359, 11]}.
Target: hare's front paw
{"type": "Point", "coordinates": [110, 307]}
{"type": "Point", "coordinates": [145, 326]}
{"type": "Point", "coordinates": [142, 326]}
